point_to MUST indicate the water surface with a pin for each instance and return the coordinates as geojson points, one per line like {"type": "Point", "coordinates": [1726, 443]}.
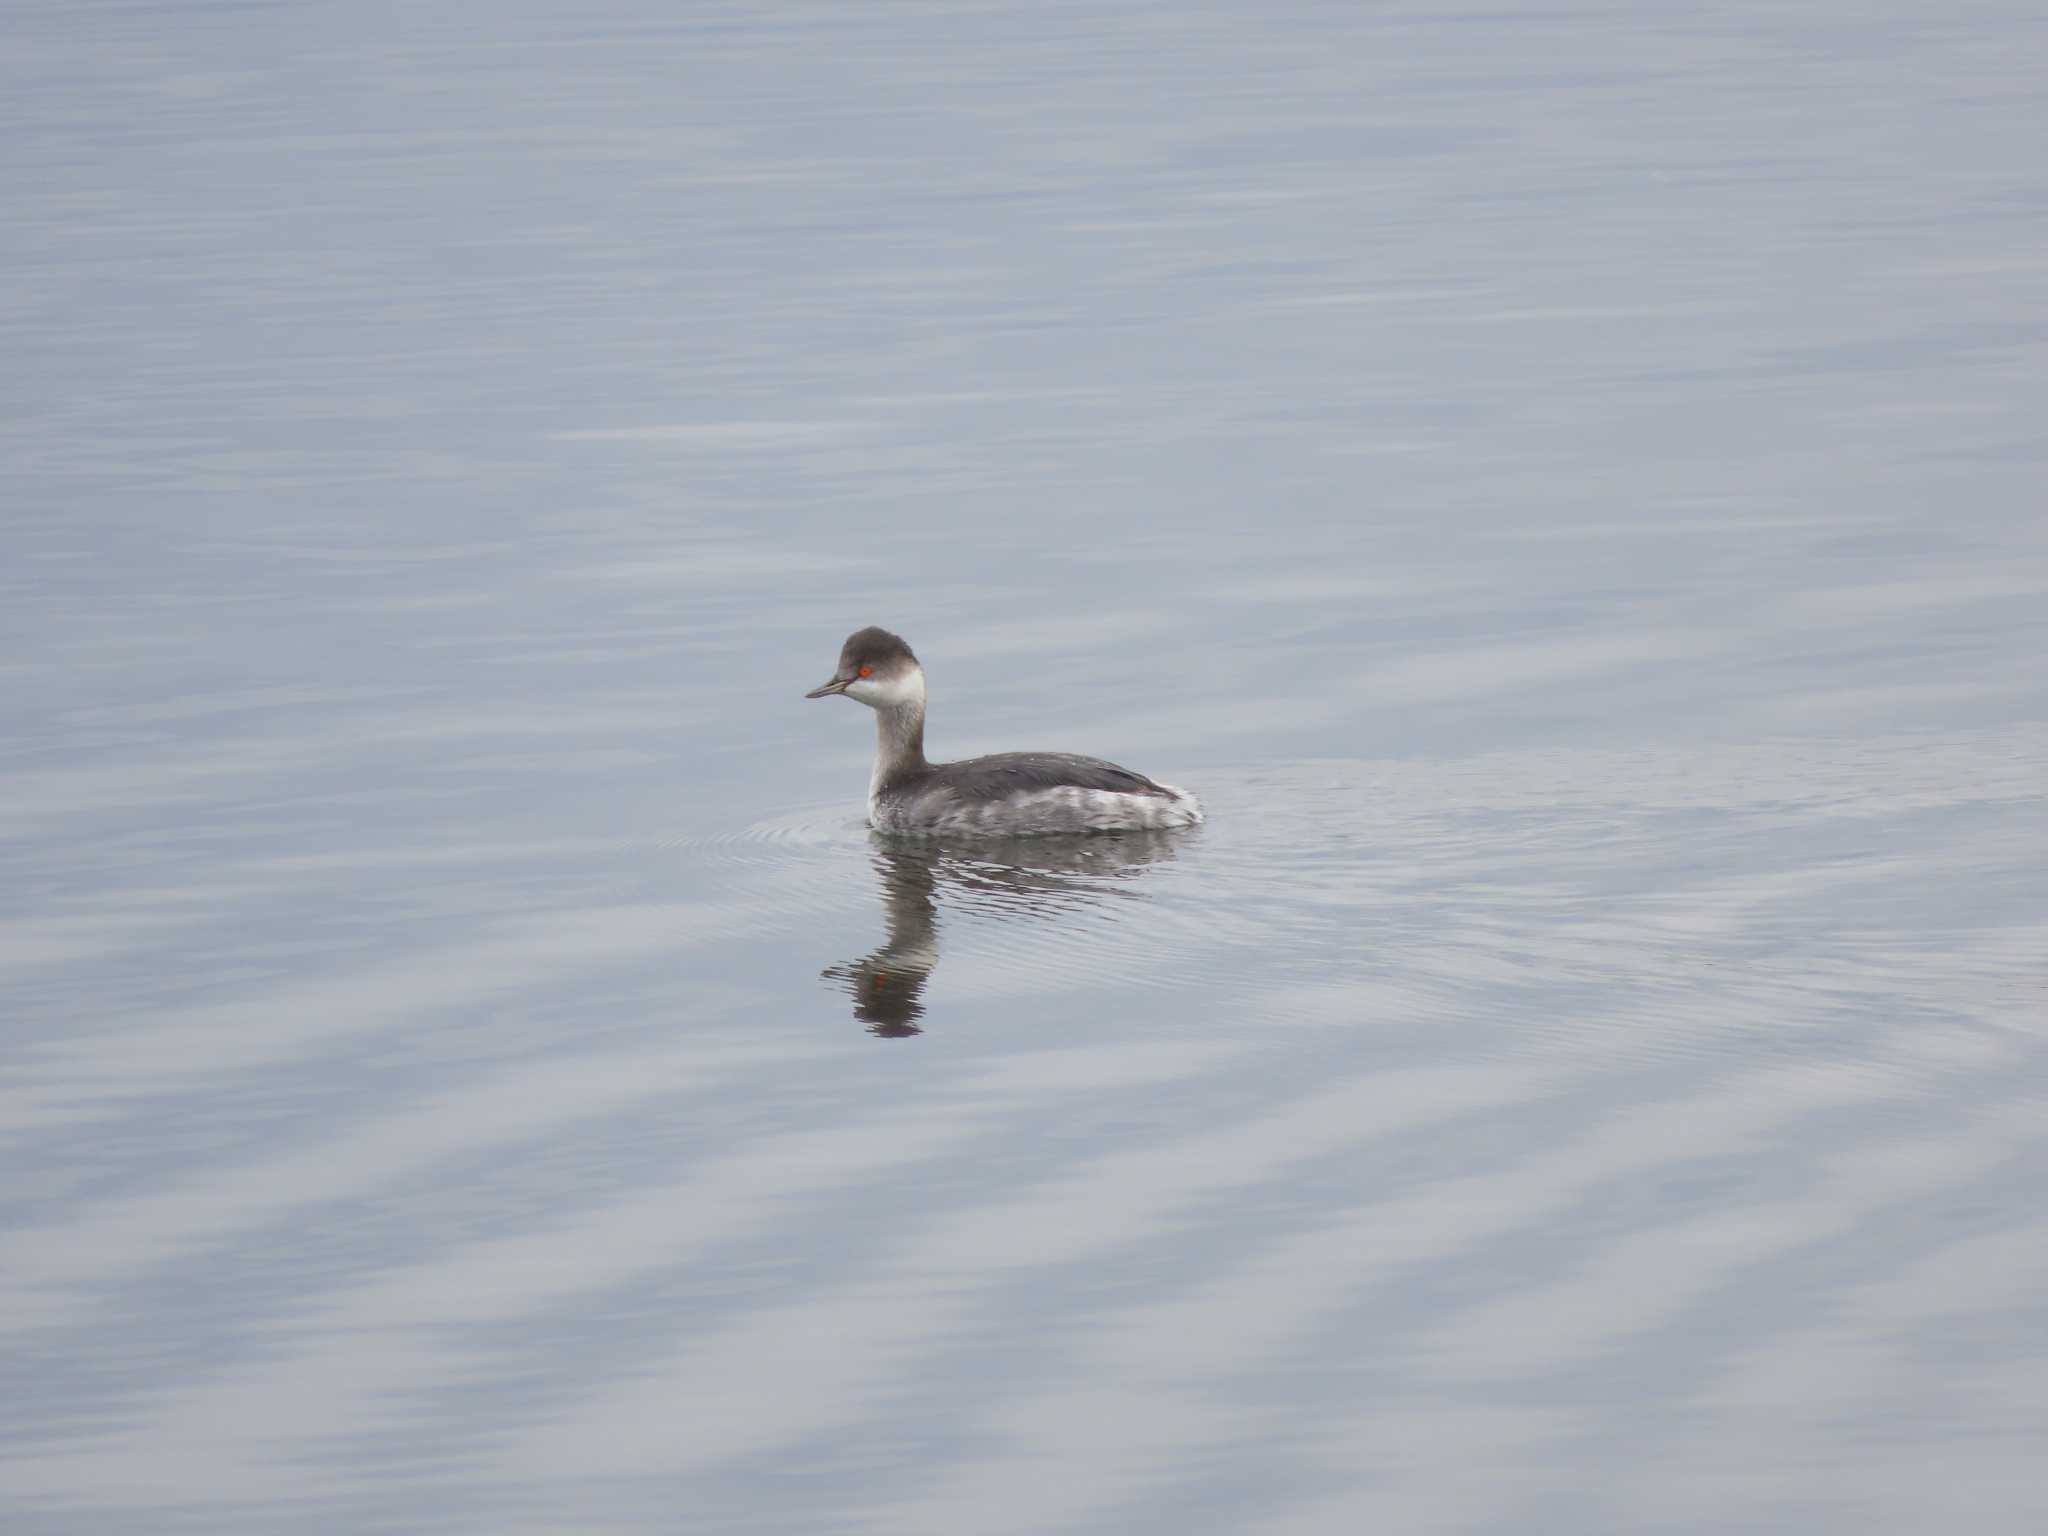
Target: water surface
{"type": "Point", "coordinates": [1564, 485]}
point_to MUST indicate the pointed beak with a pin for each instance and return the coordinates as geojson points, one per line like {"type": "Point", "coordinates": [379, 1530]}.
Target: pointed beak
{"type": "Point", "coordinates": [825, 690]}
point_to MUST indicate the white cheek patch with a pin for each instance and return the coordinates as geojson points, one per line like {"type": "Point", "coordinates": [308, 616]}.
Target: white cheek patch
{"type": "Point", "coordinates": [887, 693]}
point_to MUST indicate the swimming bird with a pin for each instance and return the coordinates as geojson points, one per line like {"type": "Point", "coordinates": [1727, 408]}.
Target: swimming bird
{"type": "Point", "coordinates": [1009, 794]}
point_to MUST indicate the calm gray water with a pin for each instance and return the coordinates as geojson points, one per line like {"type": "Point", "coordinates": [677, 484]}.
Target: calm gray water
{"type": "Point", "coordinates": [1565, 484]}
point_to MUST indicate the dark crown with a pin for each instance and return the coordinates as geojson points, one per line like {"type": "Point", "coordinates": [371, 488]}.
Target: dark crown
{"type": "Point", "coordinates": [873, 647]}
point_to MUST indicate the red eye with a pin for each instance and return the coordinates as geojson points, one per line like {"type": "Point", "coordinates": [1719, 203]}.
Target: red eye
{"type": "Point", "coordinates": [867, 671]}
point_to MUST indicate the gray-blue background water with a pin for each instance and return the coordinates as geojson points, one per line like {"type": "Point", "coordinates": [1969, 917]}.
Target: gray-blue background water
{"type": "Point", "coordinates": [1563, 483]}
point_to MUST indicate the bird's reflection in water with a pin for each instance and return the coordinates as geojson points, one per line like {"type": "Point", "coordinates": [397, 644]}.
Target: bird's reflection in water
{"type": "Point", "coordinates": [1013, 877]}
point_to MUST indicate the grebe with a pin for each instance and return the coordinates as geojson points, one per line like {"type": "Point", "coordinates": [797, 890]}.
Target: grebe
{"type": "Point", "coordinates": [1008, 795]}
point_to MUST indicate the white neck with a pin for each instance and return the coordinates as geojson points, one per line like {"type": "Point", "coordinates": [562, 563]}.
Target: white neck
{"type": "Point", "coordinates": [899, 728]}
